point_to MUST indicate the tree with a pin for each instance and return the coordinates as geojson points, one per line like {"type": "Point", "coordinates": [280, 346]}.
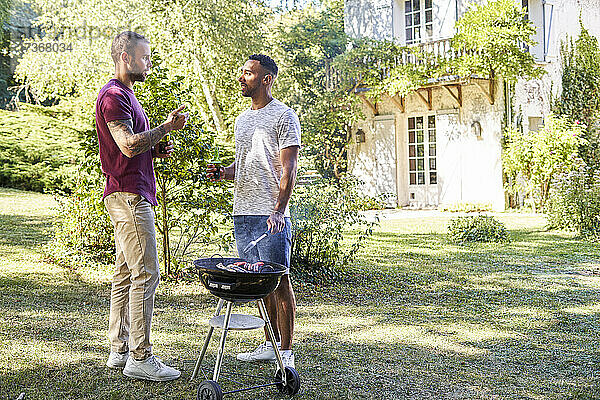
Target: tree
{"type": "Point", "coordinates": [305, 42]}
{"type": "Point", "coordinates": [5, 6]}
{"type": "Point", "coordinates": [190, 207]}
{"type": "Point", "coordinates": [532, 159]}
{"type": "Point", "coordinates": [204, 41]}
{"type": "Point", "coordinates": [580, 62]}
{"type": "Point", "coordinates": [491, 39]}
{"type": "Point", "coordinates": [490, 42]}
{"type": "Point", "coordinates": [84, 65]}
{"type": "Point", "coordinates": [207, 41]}
{"type": "Point", "coordinates": [4, 11]}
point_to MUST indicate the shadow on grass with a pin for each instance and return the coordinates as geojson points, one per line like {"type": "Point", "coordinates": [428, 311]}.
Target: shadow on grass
{"type": "Point", "coordinates": [23, 231]}
{"type": "Point", "coordinates": [89, 379]}
{"type": "Point", "coordinates": [41, 308]}
{"type": "Point", "coordinates": [419, 319]}
{"type": "Point", "coordinates": [526, 248]}
{"type": "Point", "coordinates": [422, 318]}
{"type": "Point", "coordinates": [453, 343]}
{"type": "Point", "coordinates": [335, 367]}
{"type": "Point", "coordinates": [394, 370]}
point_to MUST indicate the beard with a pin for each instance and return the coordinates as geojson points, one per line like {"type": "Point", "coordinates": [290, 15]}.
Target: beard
{"type": "Point", "coordinates": [137, 76]}
{"type": "Point", "coordinates": [248, 91]}
{"type": "Point", "coordinates": [138, 72]}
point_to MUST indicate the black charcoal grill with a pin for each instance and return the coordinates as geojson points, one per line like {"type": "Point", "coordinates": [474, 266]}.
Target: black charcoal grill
{"type": "Point", "coordinates": [240, 287]}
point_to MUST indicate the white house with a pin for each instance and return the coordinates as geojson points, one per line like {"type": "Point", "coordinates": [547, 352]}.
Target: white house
{"type": "Point", "coordinates": [441, 144]}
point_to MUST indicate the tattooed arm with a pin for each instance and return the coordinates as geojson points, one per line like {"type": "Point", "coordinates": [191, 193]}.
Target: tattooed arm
{"type": "Point", "coordinates": [131, 144]}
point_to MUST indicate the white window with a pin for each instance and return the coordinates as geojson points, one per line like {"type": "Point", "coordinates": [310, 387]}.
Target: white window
{"type": "Point", "coordinates": [418, 20]}
{"type": "Point", "coordinates": [535, 124]}
{"type": "Point", "coordinates": [539, 12]}
{"type": "Point", "coordinates": [422, 168]}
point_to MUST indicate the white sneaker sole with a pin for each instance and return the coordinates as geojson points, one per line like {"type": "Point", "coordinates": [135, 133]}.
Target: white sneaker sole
{"type": "Point", "coordinates": [150, 377]}
{"type": "Point", "coordinates": [257, 359]}
{"type": "Point", "coordinates": [249, 357]}
{"type": "Point", "coordinates": [285, 365]}
{"type": "Point", "coordinates": [115, 366]}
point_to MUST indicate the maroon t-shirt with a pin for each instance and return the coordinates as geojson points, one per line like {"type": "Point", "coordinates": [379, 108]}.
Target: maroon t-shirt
{"type": "Point", "coordinates": [134, 175]}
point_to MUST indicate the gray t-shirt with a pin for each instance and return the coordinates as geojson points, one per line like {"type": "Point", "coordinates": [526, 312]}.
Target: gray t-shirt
{"type": "Point", "coordinates": [259, 137]}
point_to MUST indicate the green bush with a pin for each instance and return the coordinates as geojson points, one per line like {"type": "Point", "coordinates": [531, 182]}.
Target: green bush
{"type": "Point", "coordinates": [321, 213]}
{"type": "Point", "coordinates": [465, 207]}
{"type": "Point", "coordinates": [531, 159]}
{"type": "Point", "coordinates": [191, 209]}
{"type": "Point", "coordinates": [579, 99]}
{"type": "Point", "coordinates": [575, 201]}
{"type": "Point", "coordinates": [369, 203]}
{"type": "Point", "coordinates": [480, 228]}
{"type": "Point", "coordinates": [83, 233]}
{"type": "Point", "coordinates": [38, 150]}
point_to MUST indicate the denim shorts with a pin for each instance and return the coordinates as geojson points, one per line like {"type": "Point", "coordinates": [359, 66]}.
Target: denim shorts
{"type": "Point", "coordinates": [275, 248]}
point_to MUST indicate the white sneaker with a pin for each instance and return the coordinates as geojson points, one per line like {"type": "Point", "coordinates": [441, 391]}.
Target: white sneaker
{"type": "Point", "coordinates": [288, 359]}
{"type": "Point", "coordinates": [150, 369]}
{"type": "Point", "coordinates": [117, 360]}
{"type": "Point", "coordinates": [264, 352]}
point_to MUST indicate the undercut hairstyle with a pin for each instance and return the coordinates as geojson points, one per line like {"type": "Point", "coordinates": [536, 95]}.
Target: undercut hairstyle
{"type": "Point", "coordinates": [125, 42]}
{"type": "Point", "coordinates": [266, 62]}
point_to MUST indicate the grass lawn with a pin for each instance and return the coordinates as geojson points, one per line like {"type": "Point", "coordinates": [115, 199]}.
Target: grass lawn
{"type": "Point", "coordinates": [420, 319]}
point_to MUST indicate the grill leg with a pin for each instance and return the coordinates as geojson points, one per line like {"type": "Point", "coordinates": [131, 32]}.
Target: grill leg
{"type": "Point", "coordinates": [263, 313]}
{"type": "Point", "coordinates": [222, 344]}
{"type": "Point", "coordinates": [207, 341]}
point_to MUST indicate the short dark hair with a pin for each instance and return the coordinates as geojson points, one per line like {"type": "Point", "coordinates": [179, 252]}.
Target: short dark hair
{"type": "Point", "coordinates": [125, 42]}
{"type": "Point", "coordinates": [266, 62]}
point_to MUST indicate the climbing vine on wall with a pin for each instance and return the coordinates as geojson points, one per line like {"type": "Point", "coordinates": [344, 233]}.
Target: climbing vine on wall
{"type": "Point", "coordinates": [580, 97]}
{"type": "Point", "coordinates": [580, 62]}
{"type": "Point", "coordinates": [492, 40]}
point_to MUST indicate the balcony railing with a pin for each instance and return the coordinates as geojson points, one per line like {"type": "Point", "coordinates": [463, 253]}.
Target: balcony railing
{"type": "Point", "coordinates": [429, 53]}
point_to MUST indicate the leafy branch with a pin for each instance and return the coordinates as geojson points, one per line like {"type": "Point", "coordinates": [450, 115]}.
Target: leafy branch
{"type": "Point", "coordinates": [491, 41]}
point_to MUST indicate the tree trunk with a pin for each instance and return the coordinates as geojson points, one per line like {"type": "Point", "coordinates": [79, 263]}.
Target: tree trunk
{"type": "Point", "coordinates": [165, 231]}
{"type": "Point", "coordinates": [201, 108]}
{"type": "Point", "coordinates": [210, 97]}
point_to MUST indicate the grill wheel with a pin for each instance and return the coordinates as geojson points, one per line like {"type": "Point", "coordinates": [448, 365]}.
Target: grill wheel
{"type": "Point", "coordinates": [293, 381]}
{"type": "Point", "coordinates": [210, 390]}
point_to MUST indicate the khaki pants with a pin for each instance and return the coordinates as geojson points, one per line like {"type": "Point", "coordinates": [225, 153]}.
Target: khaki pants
{"type": "Point", "coordinates": [136, 274]}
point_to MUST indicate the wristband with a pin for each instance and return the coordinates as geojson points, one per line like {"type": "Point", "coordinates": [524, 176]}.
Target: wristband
{"type": "Point", "coordinates": [278, 212]}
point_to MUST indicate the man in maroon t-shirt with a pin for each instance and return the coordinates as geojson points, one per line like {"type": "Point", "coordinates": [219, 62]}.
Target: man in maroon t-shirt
{"type": "Point", "coordinates": [126, 149]}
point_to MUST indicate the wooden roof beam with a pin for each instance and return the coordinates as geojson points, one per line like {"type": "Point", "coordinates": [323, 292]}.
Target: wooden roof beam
{"type": "Point", "coordinates": [367, 102]}
{"type": "Point", "coordinates": [458, 95]}
{"type": "Point", "coordinates": [399, 102]}
{"type": "Point", "coordinates": [428, 102]}
{"type": "Point", "coordinates": [489, 91]}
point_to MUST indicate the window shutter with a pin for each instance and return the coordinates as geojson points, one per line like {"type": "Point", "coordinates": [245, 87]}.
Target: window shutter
{"type": "Point", "coordinates": [548, 10]}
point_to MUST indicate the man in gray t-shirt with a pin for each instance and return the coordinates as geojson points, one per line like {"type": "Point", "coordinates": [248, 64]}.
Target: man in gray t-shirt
{"type": "Point", "coordinates": [260, 135]}
{"type": "Point", "coordinates": [267, 142]}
